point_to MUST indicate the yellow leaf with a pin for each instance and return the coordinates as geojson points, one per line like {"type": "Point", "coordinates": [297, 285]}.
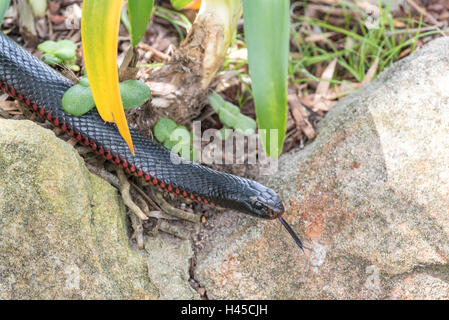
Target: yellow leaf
{"type": "Point", "coordinates": [195, 5]}
{"type": "Point", "coordinates": [99, 33]}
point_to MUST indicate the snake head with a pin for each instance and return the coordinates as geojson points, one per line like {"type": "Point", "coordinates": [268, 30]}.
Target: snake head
{"type": "Point", "coordinates": [261, 201]}
{"type": "Point", "coordinates": [266, 209]}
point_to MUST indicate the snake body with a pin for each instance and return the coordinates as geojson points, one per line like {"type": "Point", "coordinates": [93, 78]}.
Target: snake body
{"type": "Point", "coordinates": [41, 88]}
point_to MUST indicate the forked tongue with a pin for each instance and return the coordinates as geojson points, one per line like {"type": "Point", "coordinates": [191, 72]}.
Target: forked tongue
{"type": "Point", "coordinates": [292, 233]}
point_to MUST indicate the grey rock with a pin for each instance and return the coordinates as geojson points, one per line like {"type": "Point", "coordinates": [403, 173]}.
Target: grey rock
{"type": "Point", "coordinates": [168, 266]}
{"type": "Point", "coordinates": [370, 196]}
{"type": "Point", "coordinates": [62, 230]}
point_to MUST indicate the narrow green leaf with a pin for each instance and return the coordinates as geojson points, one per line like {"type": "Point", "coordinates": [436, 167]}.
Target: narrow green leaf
{"type": "Point", "coordinates": [4, 4]}
{"type": "Point", "coordinates": [179, 4]}
{"type": "Point", "coordinates": [267, 25]}
{"type": "Point", "coordinates": [139, 16]}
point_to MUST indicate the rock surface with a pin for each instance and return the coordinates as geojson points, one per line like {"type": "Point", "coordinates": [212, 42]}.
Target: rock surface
{"type": "Point", "coordinates": [62, 230]}
{"type": "Point", "coordinates": [168, 266]}
{"type": "Point", "coordinates": [370, 195]}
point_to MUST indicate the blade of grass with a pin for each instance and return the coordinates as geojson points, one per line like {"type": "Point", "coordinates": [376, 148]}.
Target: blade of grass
{"type": "Point", "coordinates": [139, 15]}
{"type": "Point", "coordinates": [267, 26]}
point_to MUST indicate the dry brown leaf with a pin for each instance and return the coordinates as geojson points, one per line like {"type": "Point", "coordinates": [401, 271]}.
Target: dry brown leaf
{"type": "Point", "coordinates": [8, 106]}
{"type": "Point", "coordinates": [404, 53]}
{"type": "Point", "coordinates": [371, 72]}
{"type": "Point", "coordinates": [340, 91]}
{"type": "Point", "coordinates": [300, 116]}
{"type": "Point", "coordinates": [319, 37]}
{"type": "Point", "coordinates": [324, 105]}
{"type": "Point", "coordinates": [399, 24]}
{"type": "Point", "coordinates": [328, 73]}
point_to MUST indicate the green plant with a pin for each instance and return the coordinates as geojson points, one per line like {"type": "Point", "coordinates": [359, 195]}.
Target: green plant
{"type": "Point", "coordinates": [179, 4]}
{"type": "Point", "coordinates": [267, 27]}
{"type": "Point", "coordinates": [99, 32]}
{"type": "Point", "coordinates": [78, 100]}
{"type": "Point", "coordinates": [175, 137]}
{"type": "Point", "coordinates": [4, 4]}
{"type": "Point", "coordinates": [59, 52]}
{"type": "Point", "coordinates": [139, 12]}
{"type": "Point", "coordinates": [267, 35]}
{"type": "Point", "coordinates": [230, 116]}
{"type": "Point", "coordinates": [358, 46]}
{"type": "Point", "coordinates": [177, 19]}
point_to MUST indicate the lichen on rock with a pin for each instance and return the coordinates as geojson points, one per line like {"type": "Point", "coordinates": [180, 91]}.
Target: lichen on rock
{"type": "Point", "coordinates": [62, 229]}
{"type": "Point", "coordinates": [370, 195]}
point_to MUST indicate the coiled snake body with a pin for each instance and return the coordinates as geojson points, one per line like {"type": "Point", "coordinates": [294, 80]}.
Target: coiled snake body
{"type": "Point", "coordinates": [41, 88]}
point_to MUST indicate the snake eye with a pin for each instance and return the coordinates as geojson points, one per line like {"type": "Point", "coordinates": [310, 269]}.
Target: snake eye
{"type": "Point", "coordinates": [258, 205]}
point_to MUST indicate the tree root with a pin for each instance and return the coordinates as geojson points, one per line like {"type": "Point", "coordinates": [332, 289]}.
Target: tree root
{"type": "Point", "coordinates": [126, 196]}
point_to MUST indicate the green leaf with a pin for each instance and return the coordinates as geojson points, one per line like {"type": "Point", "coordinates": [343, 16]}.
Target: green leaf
{"type": "Point", "coordinates": [99, 35]}
{"type": "Point", "coordinates": [74, 67]}
{"type": "Point", "coordinates": [230, 116]}
{"type": "Point", "coordinates": [245, 124]}
{"type": "Point", "coordinates": [48, 46]}
{"type": "Point", "coordinates": [51, 60]}
{"type": "Point", "coordinates": [139, 16]}
{"type": "Point", "coordinates": [84, 81]}
{"type": "Point", "coordinates": [267, 26]}
{"type": "Point", "coordinates": [216, 101]}
{"type": "Point", "coordinates": [169, 144]}
{"type": "Point", "coordinates": [181, 135]}
{"type": "Point", "coordinates": [176, 138]}
{"type": "Point", "coordinates": [4, 4]}
{"type": "Point", "coordinates": [227, 117]}
{"type": "Point", "coordinates": [232, 108]}
{"type": "Point", "coordinates": [78, 100]}
{"type": "Point", "coordinates": [182, 138]}
{"type": "Point", "coordinates": [179, 4]}
{"type": "Point", "coordinates": [65, 49]}
{"type": "Point", "coordinates": [163, 129]}
{"type": "Point", "coordinates": [134, 93]}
